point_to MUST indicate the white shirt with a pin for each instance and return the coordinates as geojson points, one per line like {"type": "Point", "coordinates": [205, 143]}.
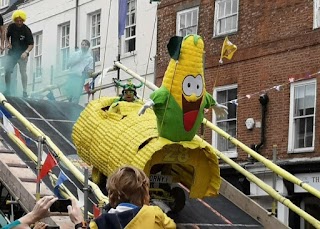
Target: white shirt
{"type": "Point", "coordinates": [83, 62]}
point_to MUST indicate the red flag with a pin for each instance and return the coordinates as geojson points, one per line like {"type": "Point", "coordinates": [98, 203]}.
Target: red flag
{"type": "Point", "coordinates": [87, 87]}
{"type": "Point", "coordinates": [48, 164]}
{"type": "Point", "coordinates": [18, 134]}
{"type": "Point", "coordinates": [96, 211]}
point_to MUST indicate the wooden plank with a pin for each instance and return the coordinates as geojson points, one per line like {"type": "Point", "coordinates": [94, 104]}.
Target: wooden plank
{"type": "Point", "coordinates": [21, 192]}
{"type": "Point", "coordinates": [249, 206]}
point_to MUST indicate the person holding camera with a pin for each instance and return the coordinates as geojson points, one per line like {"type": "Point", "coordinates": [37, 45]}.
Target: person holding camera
{"type": "Point", "coordinates": [128, 192]}
{"type": "Point", "coordinates": [40, 211]}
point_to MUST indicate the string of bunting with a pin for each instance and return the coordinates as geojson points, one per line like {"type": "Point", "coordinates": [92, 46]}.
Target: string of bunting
{"type": "Point", "coordinates": [51, 162]}
{"type": "Point", "coordinates": [10, 128]}
{"type": "Point", "coordinates": [291, 79]}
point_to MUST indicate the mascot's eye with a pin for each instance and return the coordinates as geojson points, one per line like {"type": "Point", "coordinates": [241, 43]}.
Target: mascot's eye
{"type": "Point", "coordinates": [187, 85]}
{"type": "Point", "coordinates": [192, 85]}
{"type": "Point", "coordinates": [199, 88]}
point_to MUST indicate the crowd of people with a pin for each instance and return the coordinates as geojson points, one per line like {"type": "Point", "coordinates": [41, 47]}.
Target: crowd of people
{"type": "Point", "coordinates": [128, 192]}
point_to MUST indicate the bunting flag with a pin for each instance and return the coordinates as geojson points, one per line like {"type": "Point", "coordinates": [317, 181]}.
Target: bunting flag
{"type": "Point", "coordinates": [80, 197]}
{"type": "Point", "coordinates": [96, 211]}
{"type": "Point", "coordinates": [3, 111]}
{"type": "Point", "coordinates": [61, 178]}
{"type": "Point", "coordinates": [48, 164]}
{"type": "Point", "coordinates": [18, 134]}
{"type": "Point", "coordinates": [7, 125]}
{"type": "Point", "coordinates": [123, 8]}
{"type": "Point", "coordinates": [28, 141]}
{"type": "Point", "coordinates": [89, 86]}
{"type": "Point", "coordinates": [50, 96]}
{"type": "Point", "coordinates": [227, 51]}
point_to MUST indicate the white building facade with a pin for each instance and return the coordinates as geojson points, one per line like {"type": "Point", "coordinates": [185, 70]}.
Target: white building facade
{"type": "Point", "coordinates": [59, 27]}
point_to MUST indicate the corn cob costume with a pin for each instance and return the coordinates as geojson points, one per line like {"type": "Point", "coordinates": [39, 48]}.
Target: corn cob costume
{"type": "Point", "coordinates": [180, 101]}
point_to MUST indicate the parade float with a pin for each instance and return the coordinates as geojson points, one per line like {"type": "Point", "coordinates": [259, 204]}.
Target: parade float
{"type": "Point", "coordinates": [160, 140]}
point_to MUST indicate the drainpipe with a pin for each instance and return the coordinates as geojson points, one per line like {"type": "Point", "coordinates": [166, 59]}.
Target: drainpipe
{"type": "Point", "coordinates": [264, 99]}
{"type": "Point", "coordinates": [76, 35]}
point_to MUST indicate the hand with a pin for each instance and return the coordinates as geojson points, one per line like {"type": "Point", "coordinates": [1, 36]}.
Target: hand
{"type": "Point", "coordinates": [9, 46]}
{"type": "Point", "coordinates": [24, 55]}
{"type": "Point", "coordinates": [40, 210]}
{"type": "Point", "coordinates": [75, 212]}
{"type": "Point", "coordinates": [40, 225]}
{"type": "Point", "coordinates": [220, 110]}
{"type": "Point", "coordinates": [148, 104]}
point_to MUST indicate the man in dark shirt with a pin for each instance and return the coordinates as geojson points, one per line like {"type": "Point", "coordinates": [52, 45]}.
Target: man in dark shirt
{"type": "Point", "coordinates": [20, 42]}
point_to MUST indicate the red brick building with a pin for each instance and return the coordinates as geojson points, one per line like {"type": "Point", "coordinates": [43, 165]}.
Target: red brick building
{"type": "Point", "coordinates": [277, 41]}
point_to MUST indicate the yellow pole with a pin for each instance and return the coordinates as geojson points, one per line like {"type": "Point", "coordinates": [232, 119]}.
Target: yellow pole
{"type": "Point", "coordinates": [267, 188]}
{"type": "Point", "coordinates": [38, 133]}
{"type": "Point", "coordinates": [277, 169]}
{"type": "Point", "coordinates": [286, 175]}
{"type": "Point", "coordinates": [33, 157]}
{"type": "Point", "coordinates": [250, 176]}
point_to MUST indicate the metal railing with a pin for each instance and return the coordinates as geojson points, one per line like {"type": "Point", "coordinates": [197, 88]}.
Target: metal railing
{"type": "Point", "coordinates": [38, 134]}
{"type": "Point", "coordinates": [269, 164]}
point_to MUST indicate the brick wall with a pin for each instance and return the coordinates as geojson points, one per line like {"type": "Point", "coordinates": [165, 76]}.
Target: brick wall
{"type": "Point", "coordinates": [275, 40]}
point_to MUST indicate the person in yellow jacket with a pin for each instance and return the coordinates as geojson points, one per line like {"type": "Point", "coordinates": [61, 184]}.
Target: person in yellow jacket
{"type": "Point", "coordinates": [128, 192]}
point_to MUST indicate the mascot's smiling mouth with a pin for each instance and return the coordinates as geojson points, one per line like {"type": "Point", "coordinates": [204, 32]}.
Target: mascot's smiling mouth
{"type": "Point", "coordinates": [190, 112]}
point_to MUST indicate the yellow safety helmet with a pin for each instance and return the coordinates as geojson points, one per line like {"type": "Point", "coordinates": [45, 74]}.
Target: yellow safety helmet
{"type": "Point", "coordinates": [19, 13]}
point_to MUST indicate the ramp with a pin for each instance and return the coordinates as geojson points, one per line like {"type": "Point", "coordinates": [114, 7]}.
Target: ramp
{"type": "Point", "coordinates": [56, 119]}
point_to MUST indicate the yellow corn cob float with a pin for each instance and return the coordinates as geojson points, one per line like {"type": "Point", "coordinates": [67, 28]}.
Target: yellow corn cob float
{"type": "Point", "coordinates": [107, 140]}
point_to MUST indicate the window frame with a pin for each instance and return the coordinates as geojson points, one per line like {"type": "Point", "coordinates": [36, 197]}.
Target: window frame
{"type": "Point", "coordinates": [185, 12]}
{"type": "Point", "coordinates": [4, 4]}
{"type": "Point", "coordinates": [64, 39]}
{"type": "Point", "coordinates": [217, 20]}
{"type": "Point", "coordinates": [37, 55]}
{"type": "Point", "coordinates": [230, 154]}
{"type": "Point", "coordinates": [95, 37]}
{"type": "Point", "coordinates": [291, 136]}
{"type": "Point", "coordinates": [316, 14]}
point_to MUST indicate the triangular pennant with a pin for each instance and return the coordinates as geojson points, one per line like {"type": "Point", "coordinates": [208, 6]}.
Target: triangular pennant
{"type": "Point", "coordinates": [7, 125]}
{"type": "Point", "coordinates": [61, 178]}
{"type": "Point", "coordinates": [50, 96]}
{"type": "Point", "coordinates": [80, 198]}
{"type": "Point", "coordinates": [96, 211]}
{"type": "Point", "coordinates": [3, 111]}
{"type": "Point", "coordinates": [28, 141]}
{"type": "Point", "coordinates": [18, 134]}
{"type": "Point", "coordinates": [48, 164]}
{"type": "Point", "coordinates": [87, 87]}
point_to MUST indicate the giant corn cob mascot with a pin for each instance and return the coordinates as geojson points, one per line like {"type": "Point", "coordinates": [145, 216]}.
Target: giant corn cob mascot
{"type": "Point", "coordinates": [180, 101]}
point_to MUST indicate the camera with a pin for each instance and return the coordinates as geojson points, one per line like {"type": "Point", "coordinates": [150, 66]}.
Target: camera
{"type": "Point", "coordinates": [60, 206]}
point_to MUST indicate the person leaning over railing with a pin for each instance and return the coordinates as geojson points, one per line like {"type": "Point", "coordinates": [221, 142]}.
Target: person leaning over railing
{"type": "Point", "coordinates": [128, 191]}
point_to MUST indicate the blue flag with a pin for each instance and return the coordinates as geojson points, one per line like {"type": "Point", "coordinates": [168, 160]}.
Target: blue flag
{"type": "Point", "coordinates": [28, 141]}
{"type": "Point", "coordinates": [123, 8]}
{"type": "Point", "coordinates": [3, 111]}
{"type": "Point", "coordinates": [62, 178]}
{"type": "Point", "coordinates": [50, 96]}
